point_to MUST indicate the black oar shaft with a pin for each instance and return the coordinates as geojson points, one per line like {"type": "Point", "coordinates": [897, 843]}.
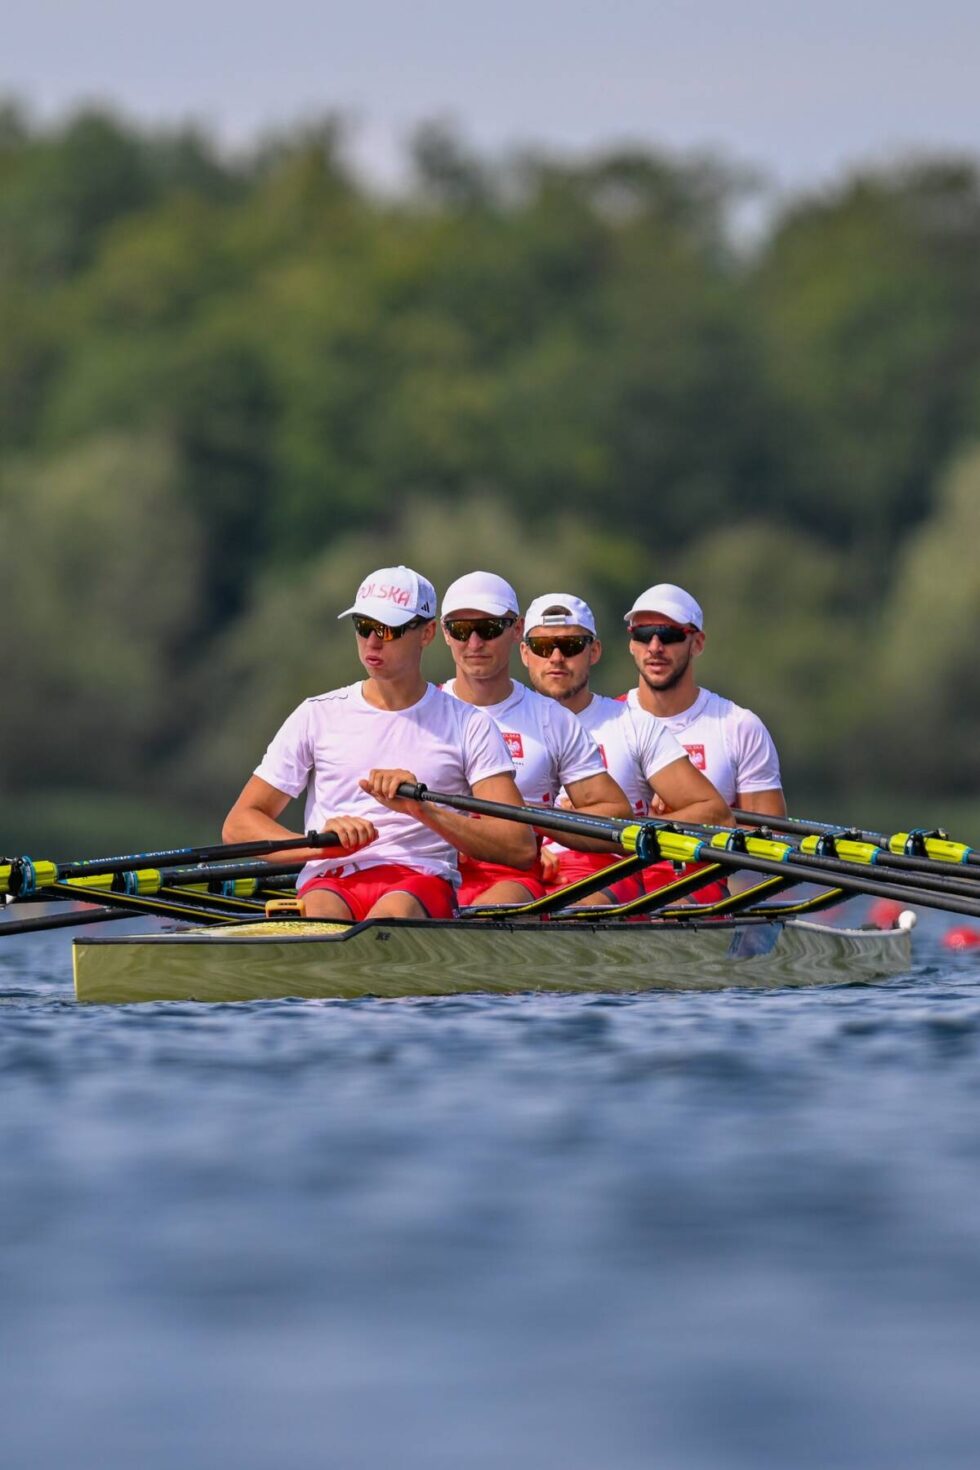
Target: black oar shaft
{"type": "Point", "coordinates": [546, 818]}
{"type": "Point", "coordinates": [223, 872]}
{"type": "Point", "coordinates": [933, 880]}
{"type": "Point", "coordinates": [23, 875]}
{"type": "Point", "coordinates": [939, 877]}
{"type": "Point", "coordinates": [823, 872]}
{"type": "Point", "coordinates": [155, 907]}
{"type": "Point", "coordinates": [61, 921]}
{"type": "Point", "coordinates": [223, 852]}
{"type": "Point", "coordinates": [954, 854]}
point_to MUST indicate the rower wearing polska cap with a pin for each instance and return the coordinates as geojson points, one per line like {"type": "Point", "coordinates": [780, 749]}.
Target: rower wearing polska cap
{"type": "Point", "coordinates": [560, 648]}
{"type": "Point", "coordinates": [349, 750]}
{"type": "Point", "coordinates": [729, 744]}
{"type": "Point", "coordinates": [482, 625]}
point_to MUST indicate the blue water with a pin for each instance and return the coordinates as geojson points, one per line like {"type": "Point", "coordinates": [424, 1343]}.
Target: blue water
{"type": "Point", "coordinates": [671, 1231]}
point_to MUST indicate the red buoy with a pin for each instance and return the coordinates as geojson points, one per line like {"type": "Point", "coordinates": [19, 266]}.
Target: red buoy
{"type": "Point", "coordinates": [961, 936]}
{"type": "Point", "coordinates": [884, 913]}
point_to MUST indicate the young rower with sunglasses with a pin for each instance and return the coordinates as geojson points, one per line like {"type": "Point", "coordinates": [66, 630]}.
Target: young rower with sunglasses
{"type": "Point", "coordinates": [560, 648]}
{"type": "Point", "coordinates": [729, 744]}
{"type": "Point", "coordinates": [350, 749]}
{"type": "Point", "coordinates": [550, 748]}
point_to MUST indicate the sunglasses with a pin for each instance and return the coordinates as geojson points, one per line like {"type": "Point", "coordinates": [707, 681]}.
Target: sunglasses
{"type": "Point", "coordinates": [364, 627]}
{"type": "Point", "coordinates": [666, 632]}
{"type": "Point", "coordinates": [567, 644]}
{"type": "Point", "coordinates": [486, 629]}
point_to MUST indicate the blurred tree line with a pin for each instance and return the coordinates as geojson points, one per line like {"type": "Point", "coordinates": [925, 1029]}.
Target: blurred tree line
{"type": "Point", "coordinates": [230, 386]}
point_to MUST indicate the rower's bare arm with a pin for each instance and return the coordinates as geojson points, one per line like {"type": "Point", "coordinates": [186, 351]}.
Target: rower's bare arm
{"type": "Point", "coordinates": [512, 843]}
{"type": "Point", "coordinates": [491, 839]}
{"type": "Point", "coordinates": [596, 796]}
{"type": "Point", "coordinates": [766, 803]}
{"type": "Point", "coordinates": [687, 794]}
{"type": "Point", "coordinates": [254, 816]}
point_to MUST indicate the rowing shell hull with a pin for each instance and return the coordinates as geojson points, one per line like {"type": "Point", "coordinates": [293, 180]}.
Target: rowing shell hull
{"type": "Point", "coordinates": [390, 958]}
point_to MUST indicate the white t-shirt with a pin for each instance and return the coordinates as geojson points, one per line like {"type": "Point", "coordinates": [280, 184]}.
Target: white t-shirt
{"type": "Point", "coordinates": [332, 740]}
{"type": "Point", "coordinates": [633, 745]}
{"type": "Point", "coordinates": [549, 747]}
{"type": "Point", "coordinates": [729, 744]}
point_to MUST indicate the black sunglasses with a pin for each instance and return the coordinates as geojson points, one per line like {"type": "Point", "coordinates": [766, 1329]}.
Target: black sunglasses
{"type": "Point", "coordinates": [486, 629]}
{"type": "Point", "coordinates": [364, 627]}
{"type": "Point", "coordinates": [567, 644]}
{"type": "Point", "coordinates": [666, 632]}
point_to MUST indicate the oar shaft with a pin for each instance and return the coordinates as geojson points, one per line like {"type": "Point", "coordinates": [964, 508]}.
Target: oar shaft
{"type": "Point", "coordinates": [911, 847]}
{"type": "Point", "coordinates": [209, 875]}
{"type": "Point", "coordinates": [611, 828]}
{"type": "Point", "coordinates": [825, 872]}
{"type": "Point", "coordinates": [61, 921]}
{"type": "Point", "coordinates": [795, 824]}
{"type": "Point", "coordinates": [941, 876]}
{"type": "Point", "coordinates": [155, 907]}
{"type": "Point", "coordinates": [931, 879]}
{"type": "Point", "coordinates": [218, 852]}
{"type": "Point", "coordinates": [23, 874]}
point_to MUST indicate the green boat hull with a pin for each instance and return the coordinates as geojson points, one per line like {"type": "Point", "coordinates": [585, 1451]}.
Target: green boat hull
{"type": "Point", "coordinates": [395, 958]}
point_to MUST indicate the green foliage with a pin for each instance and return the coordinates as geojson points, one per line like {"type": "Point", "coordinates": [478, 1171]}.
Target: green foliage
{"type": "Point", "coordinates": [61, 191]}
{"type": "Point", "coordinates": [929, 634]}
{"type": "Point", "coordinates": [868, 301]}
{"type": "Point", "coordinates": [100, 567]}
{"type": "Point", "coordinates": [228, 388]}
{"type": "Point", "coordinates": [784, 636]}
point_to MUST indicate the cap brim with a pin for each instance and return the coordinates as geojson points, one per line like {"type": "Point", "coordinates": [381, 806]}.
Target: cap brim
{"type": "Point", "coordinates": [393, 617]}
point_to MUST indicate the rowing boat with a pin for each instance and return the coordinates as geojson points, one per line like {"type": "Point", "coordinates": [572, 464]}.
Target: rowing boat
{"type": "Point", "coordinates": [548, 944]}
{"type": "Point", "coordinates": [270, 960]}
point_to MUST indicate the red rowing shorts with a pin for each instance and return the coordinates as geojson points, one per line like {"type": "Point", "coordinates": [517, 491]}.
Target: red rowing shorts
{"type": "Point", "coordinates": [575, 865]}
{"type": "Point", "coordinates": [360, 891]}
{"type": "Point", "coordinates": [658, 875]}
{"type": "Point", "coordinates": [478, 877]}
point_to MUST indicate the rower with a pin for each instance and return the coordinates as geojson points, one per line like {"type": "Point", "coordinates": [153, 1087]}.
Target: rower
{"type": "Point", "coordinates": [551, 749]}
{"type": "Point", "coordinates": [729, 744]}
{"type": "Point", "coordinates": [560, 648]}
{"type": "Point", "coordinates": [350, 749]}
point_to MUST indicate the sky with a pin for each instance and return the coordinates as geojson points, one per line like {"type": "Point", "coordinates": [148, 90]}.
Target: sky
{"type": "Point", "coordinates": [802, 93]}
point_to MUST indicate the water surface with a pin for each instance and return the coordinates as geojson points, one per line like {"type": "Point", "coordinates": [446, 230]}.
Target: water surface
{"type": "Point", "coordinates": [672, 1231]}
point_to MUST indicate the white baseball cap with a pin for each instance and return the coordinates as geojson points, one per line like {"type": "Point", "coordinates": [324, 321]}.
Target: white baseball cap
{"type": "Point", "coordinates": [394, 595]}
{"type": "Point", "coordinates": [559, 610]}
{"type": "Point", "coordinates": [672, 601]}
{"type": "Point", "coordinates": [484, 592]}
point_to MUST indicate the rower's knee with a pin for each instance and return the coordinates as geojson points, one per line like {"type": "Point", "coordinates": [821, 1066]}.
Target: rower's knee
{"type": "Point", "coordinates": [321, 903]}
{"type": "Point", "coordinates": [504, 892]}
{"type": "Point", "coordinates": [397, 906]}
{"type": "Point", "coordinates": [599, 900]}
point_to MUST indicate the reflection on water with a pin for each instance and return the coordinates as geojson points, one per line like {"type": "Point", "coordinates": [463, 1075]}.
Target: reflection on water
{"type": "Point", "coordinates": [732, 1230]}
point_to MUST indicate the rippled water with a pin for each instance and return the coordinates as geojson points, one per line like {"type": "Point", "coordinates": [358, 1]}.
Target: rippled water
{"type": "Point", "coordinates": [727, 1230]}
